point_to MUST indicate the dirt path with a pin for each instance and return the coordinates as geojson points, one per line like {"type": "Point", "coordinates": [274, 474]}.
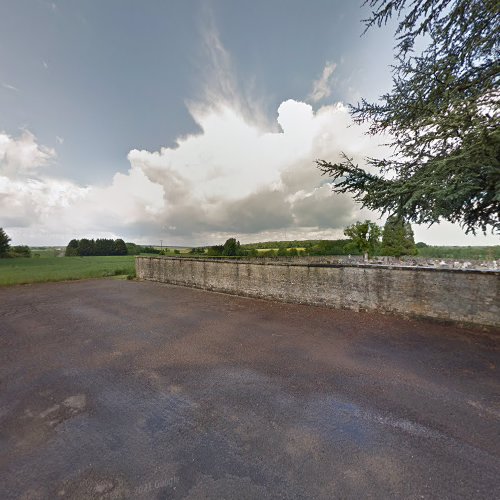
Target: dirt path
{"type": "Point", "coordinates": [118, 389]}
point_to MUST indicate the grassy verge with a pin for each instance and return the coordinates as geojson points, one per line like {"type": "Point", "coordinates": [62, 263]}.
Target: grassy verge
{"type": "Point", "coordinates": [22, 270]}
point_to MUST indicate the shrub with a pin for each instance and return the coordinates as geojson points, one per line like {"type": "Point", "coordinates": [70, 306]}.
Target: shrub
{"type": "Point", "coordinates": [197, 250]}
{"type": "Point", "coordinates": [20, 251]}
{"type": "Point", "coordinates": [215, 250]}
{"type": "Point", "coordinates": [268, 253]}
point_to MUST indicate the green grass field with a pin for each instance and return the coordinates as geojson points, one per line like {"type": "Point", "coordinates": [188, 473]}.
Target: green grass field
{"type": "Point", "coordinates": [35, 270]}
{"type": "Point", "coordinates": [46, 252]}
{"type": "Point", "coordinates": [473, 253]}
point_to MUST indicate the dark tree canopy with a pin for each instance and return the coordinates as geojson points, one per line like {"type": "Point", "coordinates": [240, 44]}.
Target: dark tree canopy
{"type": "Point", "coordinates": [20, 251]}
{"type": "Point", "coordinates": [104, 246]}
{"type": "Point", "coordinates": [72, 249]}
{"type": "Point", "coordinates": [231, 247]}
{"type": "Point", "coordinates": [86, 247]}
{"type": "Point", "coordinates": [441, 115]}
{"type": "Point", "coordinates": [119, 247]}
{"type": "Point", "coordinates": [364, 236]}
{"type": "Point", "coordinates": [215, 250]}
{"type": "Point", "coordinates": [4, 243]}
{"type": "Point", "coordinates": [282, 252]}
{"type": "Point", "coordinates": [100, 246]}
{"type": "Point", "coordinates": [397, 238]}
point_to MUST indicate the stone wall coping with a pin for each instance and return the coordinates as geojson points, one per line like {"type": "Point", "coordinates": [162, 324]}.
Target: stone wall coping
{"type": "Point", "coordinates": [267, 262]}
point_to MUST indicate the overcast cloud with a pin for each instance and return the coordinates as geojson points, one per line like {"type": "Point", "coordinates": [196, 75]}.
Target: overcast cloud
{"type": "Point", "coordinates": [244, 170]}
{"type": "Point", "coordinates": [240, 175]}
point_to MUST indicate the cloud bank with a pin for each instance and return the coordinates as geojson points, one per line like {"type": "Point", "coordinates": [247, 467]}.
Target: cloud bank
{"type": "Point", "coordinates": [233, 178]}
{"type": "Point", "coordinates": [244, 174]}
{"type": "Point", "coordinates": [22, 155]}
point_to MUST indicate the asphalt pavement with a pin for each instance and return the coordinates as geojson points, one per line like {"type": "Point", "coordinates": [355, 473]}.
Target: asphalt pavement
{"type": "Point", "coordinates": [123, 389]}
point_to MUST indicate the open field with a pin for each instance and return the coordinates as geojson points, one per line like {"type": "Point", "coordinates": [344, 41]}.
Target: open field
{"type": "Point", "coordinates": [124, 389]}
{"type": "Point", "coordinates": [45, 265]}
{"type": "Point", "coordinates": [473, 253]}
{"type": "Point", "coordinates": [47, 252]}
{"type": "Point", "coordinates": [33, 270]}
{"type": "Point", "coordinates": [336, 247]}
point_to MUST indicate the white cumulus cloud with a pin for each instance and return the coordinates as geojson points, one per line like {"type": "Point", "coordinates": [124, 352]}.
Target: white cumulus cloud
{"type": "Point", "coordinates": [22, 155]}
{"type": "Point", "coordinates": [235, 177]}
{"type": "Point", "coordinates": [232, 178]}
{"type": "Point", "coordinates": [36, 208]}
{"type": "Point", "coordinates": [241, 175]}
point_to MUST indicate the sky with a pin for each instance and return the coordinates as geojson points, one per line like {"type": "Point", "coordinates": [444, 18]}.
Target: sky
{"type": "Point", "coordinates": [186, 121]}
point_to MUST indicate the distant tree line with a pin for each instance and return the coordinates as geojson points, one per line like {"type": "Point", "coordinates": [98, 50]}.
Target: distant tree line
{"type": "Point", "coordinates": [231, 248]}
{"type": "Point", "coordinates": [134, 249]}
{"type": "Point", "coordinates": [302, 247]}
{"type": "Point", "coordinates": [293, 248]}
{"type": "Point", "coordinates": [8, 251]}
{"type": "Point", "coordinates": [100, 246]}
{"type": "Point", "coordinates": [105, 246]}
{"type": "Point", "coordinates": [364, 238]}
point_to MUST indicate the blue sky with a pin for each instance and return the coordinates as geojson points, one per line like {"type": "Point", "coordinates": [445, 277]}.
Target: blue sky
{"type": "Point", "coordinates": [187, 121]}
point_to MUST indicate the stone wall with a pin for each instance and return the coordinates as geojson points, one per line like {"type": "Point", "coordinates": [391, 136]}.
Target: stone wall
{"type": "Point", "coordinates": [464, 296]}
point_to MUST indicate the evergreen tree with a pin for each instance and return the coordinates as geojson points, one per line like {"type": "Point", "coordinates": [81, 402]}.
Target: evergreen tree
{"type": "Point", "coordinates": [397, 238]}
{"type": "Point", "coordinates": [442, 115]}
{"type": "Point", "coordinates": [86, 247]}
{"type": "Point", "coordinates": [4, 243]}
{"type": "Point", "coordinates": [102, 246]}
{"type": "Point", "coordinates": [111, 247]}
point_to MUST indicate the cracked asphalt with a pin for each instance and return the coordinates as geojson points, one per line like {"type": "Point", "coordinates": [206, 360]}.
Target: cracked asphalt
{"type": "Point", "coordinates": [123, 389]}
